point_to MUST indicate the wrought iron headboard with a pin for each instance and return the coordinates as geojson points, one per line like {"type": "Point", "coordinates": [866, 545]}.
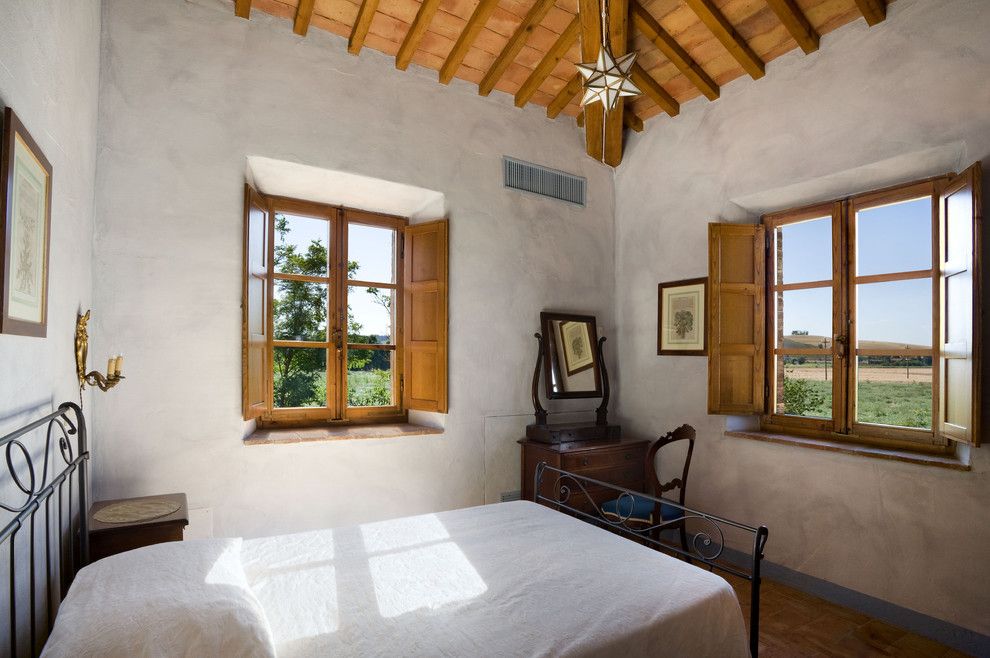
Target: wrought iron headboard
{"type": "Point", "coordinates": [66, 541]}
{"type": "Point", "coordinates": [706, 545]}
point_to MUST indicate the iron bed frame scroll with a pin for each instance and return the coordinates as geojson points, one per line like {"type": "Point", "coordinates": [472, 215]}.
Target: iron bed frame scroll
{"type": "Point", "coordinates": [64, 426]}
{"type": "Point", "coordinates": [706, 545]}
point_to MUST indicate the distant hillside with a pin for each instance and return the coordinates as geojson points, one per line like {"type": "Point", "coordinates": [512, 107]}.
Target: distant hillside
{"type": "Point", "coordinates": [804, 342]}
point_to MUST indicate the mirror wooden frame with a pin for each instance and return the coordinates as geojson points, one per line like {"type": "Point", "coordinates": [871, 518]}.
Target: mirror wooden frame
{"type": "Point", "coordinates": [550, 359]}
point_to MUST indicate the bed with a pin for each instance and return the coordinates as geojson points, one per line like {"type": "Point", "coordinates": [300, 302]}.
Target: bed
{"type": "Point", "coordinates": [511, 579]}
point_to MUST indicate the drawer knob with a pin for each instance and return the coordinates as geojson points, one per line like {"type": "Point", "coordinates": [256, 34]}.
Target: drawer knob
{"type": "Point", "coordinates": [584, 461]}
{"type": "Point", "coordinates": [629, 456]}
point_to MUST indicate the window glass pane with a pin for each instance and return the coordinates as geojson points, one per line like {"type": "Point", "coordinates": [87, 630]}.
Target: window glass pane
{"type": "Point", "coordinates": [370, 253]}
{"type": "Point", "coordinates": [804, 318]}
{"type": "Point", "coordinates": [369, 378]}
{"type": "Point", "coordinates": [301, 245]}
{"type": "Point", "coordinates": [804, 251]}
{"type": "Point", "coordinates": [300, 377]}
{"type": "Point", "coordinates": [804, 386]}
{"type": "Point", "coordinates": [369, 315]}
{"type": "Point", "coordinates": [894, 238]}
{"type": "Point", "coordinates": [894, 390]}
{"type": "Point", "coordinates": [894, 315]}
{"type": "Point", "coordinates": [300, 310]}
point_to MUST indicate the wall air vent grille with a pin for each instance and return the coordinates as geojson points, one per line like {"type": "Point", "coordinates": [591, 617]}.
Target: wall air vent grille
{"type": "Point", "coordinates": [544, 181]}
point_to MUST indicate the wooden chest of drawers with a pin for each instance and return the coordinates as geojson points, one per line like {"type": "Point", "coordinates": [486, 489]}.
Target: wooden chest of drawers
{"type": "Point", "coordinates": [622, 463]}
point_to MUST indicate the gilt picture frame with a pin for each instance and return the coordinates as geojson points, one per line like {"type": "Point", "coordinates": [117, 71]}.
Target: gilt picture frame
{"type": "Point", "coordinates": [25, 230]}
{"type": "Point", "coordinates": [578, 351]}
{"type": "Point", "coordinates": [682, 317]}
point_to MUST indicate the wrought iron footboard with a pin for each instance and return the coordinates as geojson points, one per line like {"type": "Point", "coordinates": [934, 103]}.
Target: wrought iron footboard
{"type": "Point", "coordinates": [66, 540]}
{"type": "Point", "coordinates": [706, 545]}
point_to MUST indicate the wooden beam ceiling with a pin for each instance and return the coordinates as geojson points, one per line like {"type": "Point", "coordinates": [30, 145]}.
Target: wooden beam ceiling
{"type": "Point", "coordinates": [630, 120]}
{"type": "Point", "coordinates": [466, 39]}
{"type": "Point", "coordinates": [549, 62]}
{"type": "Point", "coordinates": [564, 96]}
{"type": "Point", "coordinates": [415, 33]}
{"type": "Point", "coordinates": [712, 17]}
{"type": "Point", "coordinates": [594, 115]}
{"type": "Point", "coordinates": [359, 32]}
{"type": "Point", "coordinates": [304, 13]}
{"type": "Point", "coordinates": [242, 8]}
{"type": "Point", "coordinates": [652, 88]}
{"type": "Point", "coordinates": [673, 51]}
{"type": "Point", "coordinates": [515, 44]}
{"type": "Point", "coordinates": [796, 23]}
{"type": "Point", "coordinates": [874, 11]}
{"type": "Point", "coordinates": [526, 48]}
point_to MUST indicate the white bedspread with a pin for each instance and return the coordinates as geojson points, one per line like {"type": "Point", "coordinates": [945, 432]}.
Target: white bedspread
{"type": "Point", "coordinates": [514, 579]}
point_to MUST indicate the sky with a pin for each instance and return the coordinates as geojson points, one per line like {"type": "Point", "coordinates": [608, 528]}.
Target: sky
{"type": "Point", "coordinates": [894, 238]}
{"type": "Point", "coordinates": [371, 247]}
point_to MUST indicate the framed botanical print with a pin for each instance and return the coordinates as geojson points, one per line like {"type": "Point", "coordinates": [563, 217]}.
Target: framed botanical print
{"type": "Point", "coordinates": [681, 325]}
{"type": "Point", "coordinates": [578, 352]}
{"type": "Point", "coordinates": [25, 231]}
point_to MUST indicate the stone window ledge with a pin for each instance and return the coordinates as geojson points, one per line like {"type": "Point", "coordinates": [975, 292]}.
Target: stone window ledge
{"type": "Point", "coordinates": [273, 436]}
{"type": "Point", "coordinates": [953, 462]}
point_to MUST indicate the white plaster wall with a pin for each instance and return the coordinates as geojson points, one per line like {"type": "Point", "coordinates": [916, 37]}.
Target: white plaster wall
{"type": "Point", "coordinates": [49, 75]}
{"type": "Point", "coordinates": [188, 91]}
{"type": "Point", "coordinates": [915, 536]}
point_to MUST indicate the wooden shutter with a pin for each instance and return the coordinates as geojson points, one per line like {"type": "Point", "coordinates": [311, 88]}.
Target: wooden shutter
{"type": "Point", "coordinates": [736, 318]}
{"type": "Point", "coordinates": [254, 372]}
{"type": "Point", "coordinates": [424, 322]}
{"type": "Point", "coordinates": [959, 322]}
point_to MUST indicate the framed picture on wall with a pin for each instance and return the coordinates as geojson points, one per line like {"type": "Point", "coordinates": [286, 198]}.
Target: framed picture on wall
{"type": "Point", "coordinates": [25, 231]}
{"type": "Point", "coordinates": [682, 317]}
{"type": "Point", "coordinates": [578, 353]}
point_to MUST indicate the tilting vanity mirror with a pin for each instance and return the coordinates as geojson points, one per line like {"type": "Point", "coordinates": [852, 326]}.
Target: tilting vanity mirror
{"type": "Point", "coordinates": [570, 358]}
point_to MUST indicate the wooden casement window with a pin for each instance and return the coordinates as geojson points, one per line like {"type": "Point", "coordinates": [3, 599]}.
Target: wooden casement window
{"type": "Point", "coordinates": [856, 320]}
{"type": "Point", "coordinates": [344, 314]}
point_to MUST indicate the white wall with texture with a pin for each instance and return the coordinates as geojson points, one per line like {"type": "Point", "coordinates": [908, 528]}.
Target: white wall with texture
{"type": "Point", "coordinates": [910, 94]}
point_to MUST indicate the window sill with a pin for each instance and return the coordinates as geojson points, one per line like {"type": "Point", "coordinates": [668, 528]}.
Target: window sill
{"type": "Point", "coordinates": [952, 462]}
{"type": "Point", "coordinates": [274, 436]}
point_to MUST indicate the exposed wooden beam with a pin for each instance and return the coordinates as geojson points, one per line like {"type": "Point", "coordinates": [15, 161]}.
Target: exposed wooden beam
{"type": "Point", "coordinates": [477, 21]}
{"type": "Point", "coordinates": [591, 39]}
{"type": "Point", "coordinates": [796, 23]}
{"type": "Point", "coordinates": [652, 89]}
{"type": "Point", "coordinates": [618, 35]}
{"type": "Point", "coordinates": [242, 8]}
{"type": "Point", "coordinates": [727, 35]}
{"type": "Point", "coordinates": [515, 44]}
{"type": "Point", "coordinates": [631, 121]}
{"type": "Point", "coordinates": [564, 96]}
{"type": "Point", "coordinates": [549, 62]}
{"type": "Point", "coordinates": [673, 51]}
{"type": "Point", "coordinates": [415, 33]}
{"type": "Point", "coordinates": [874, 11]}
{"type": "Point", "coordinates": [304, 12]}
{"type": "Point", "coordinates": [361, 24]}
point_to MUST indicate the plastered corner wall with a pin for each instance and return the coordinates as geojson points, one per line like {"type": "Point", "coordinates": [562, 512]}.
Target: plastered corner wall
{"type": "Point", "coordinates": [914, 84]}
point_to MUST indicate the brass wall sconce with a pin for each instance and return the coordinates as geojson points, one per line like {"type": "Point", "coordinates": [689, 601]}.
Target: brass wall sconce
{"type": "Point", "coordinates": [115, 363]}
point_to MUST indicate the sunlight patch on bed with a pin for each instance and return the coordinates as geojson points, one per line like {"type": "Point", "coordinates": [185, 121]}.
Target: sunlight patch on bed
{"type": "Point", "coordinates": [427, 577]}
{"type": "Point", "coordinates": [401, 533]}
{"type": "Point", "coordinates": [316, 585]}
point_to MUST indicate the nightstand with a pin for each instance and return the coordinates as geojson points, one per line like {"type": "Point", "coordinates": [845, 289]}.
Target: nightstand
{"type": "Point", "coordinates": [151, 527]}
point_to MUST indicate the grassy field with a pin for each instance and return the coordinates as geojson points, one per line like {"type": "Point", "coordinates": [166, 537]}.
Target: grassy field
{"type": "Point", "coordinates": [883, 399]}
{"type": "Point", "coordinates": [369, 388]}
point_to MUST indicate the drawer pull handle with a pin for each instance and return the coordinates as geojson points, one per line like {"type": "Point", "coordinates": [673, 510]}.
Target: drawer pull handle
{"type": "Point", "coordinates": [584, 461]}
{"type": "Point", "coordinates": [629, 456]}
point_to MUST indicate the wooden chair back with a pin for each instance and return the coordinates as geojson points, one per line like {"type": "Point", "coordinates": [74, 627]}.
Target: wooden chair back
{"type": "Point", "coordinates": [682, 433]}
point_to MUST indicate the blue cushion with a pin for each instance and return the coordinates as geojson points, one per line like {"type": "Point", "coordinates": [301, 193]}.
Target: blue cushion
{"type": "Point", "coordinates": [637, 508]}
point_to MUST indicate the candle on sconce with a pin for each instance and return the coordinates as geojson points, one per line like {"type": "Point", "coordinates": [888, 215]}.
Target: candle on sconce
{"type": "Point", "coordinates": [111, 366]}
{"type": "Point", "coordinates": [119, 365]}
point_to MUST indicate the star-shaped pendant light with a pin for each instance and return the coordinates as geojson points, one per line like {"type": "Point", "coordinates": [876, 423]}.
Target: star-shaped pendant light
{"type": "Point", "coordinates": [607, 79]}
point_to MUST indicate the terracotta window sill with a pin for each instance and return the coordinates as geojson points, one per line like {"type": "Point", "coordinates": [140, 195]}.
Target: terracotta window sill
{"type": "Point", "coordinates": [942, 461]}
{"type": "Point", "coordinates": [272, 436]}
